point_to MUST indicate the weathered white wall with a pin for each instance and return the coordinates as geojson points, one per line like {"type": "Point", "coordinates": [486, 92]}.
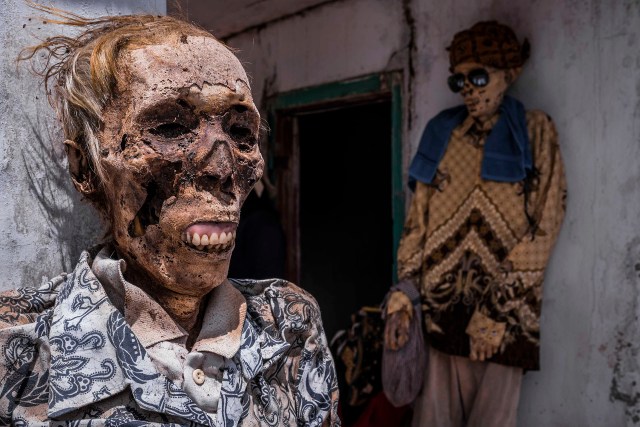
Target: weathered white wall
{"type": "Point", "coordinates": [339, 41]}
{"type": "Point", "coordinates": [43, 224]}
{"type": "Point", "coordinates": [585, 72]}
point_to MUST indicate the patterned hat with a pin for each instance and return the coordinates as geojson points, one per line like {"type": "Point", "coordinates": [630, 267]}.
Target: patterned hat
{"type": "Point", "coordinates": [488, 43]}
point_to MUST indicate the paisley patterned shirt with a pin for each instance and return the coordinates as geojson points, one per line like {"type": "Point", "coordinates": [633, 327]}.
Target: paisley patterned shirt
{"type": "Point", "coordinates": [477, 250]}
{"type": "Point", "coordinates": [68, 357]}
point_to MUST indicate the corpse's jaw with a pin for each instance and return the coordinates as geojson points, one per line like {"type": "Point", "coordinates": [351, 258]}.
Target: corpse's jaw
{"type": "Point", "coordinates": [181, 210]}
{"type": "Point", "coordinates": [195, 223]}
{"type": "Point", "coordinates": [472, 103]}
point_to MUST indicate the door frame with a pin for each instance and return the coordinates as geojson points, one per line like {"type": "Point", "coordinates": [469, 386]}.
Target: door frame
{"type": "Point", "coordinates": [282, 158]}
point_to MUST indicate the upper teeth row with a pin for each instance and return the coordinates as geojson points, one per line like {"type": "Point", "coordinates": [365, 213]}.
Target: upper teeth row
{"type": "Point", "coordinates": [210, 240]}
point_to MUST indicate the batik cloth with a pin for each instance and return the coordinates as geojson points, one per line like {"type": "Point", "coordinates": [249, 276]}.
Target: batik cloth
{"type": "Point", "coordinates": [69, 357]}
{"type": "Point", "coordinates": [475, 246]}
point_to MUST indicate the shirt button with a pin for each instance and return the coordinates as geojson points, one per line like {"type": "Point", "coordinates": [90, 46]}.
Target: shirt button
{"type": "Point", "coordinates": [198, 376]}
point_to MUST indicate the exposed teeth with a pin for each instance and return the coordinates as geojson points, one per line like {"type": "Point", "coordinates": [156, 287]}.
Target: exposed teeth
{"type": "Point", "coordinates": [210, 242]}
{"type": "Point", "coordinates": [213, 240]}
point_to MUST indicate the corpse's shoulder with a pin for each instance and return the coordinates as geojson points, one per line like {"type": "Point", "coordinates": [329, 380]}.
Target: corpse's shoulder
{"type": "Point", "coordinates": [272, 287]}
{"type": "Point", "coordinates": [542, 132]}
{"type": "Point", "coordinates": [539, 119]}
{"type": "Point", "coordinates": [280, 302]}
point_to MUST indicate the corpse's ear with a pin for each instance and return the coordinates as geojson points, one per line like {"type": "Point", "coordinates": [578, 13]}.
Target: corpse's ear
{"type": "Point", "coordinates": [512, 74]}
{"type": "Point", "coordinates": [79, 168]}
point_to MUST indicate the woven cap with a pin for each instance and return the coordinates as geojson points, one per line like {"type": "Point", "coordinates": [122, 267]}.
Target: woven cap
{"type": "Point", "coordinates": [488, 43]}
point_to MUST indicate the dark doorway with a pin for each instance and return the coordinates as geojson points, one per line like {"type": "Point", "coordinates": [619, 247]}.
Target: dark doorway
{"type": "Point", "coordinates": [345, 208]}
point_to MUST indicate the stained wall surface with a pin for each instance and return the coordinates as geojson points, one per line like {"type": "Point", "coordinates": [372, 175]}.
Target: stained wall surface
{"type": "Point", "coordinates": [585, 72]}
{"type": "Point", "coordinates": [43, 223]}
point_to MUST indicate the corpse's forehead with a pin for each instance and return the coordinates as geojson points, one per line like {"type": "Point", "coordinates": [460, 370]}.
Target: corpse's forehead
{"type": "Point", "coordinates": [196, 68]}
{"type": "Point", "coordinates": [465, 67]}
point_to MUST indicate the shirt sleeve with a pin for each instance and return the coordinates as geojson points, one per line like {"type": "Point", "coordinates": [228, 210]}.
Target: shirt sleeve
{"type": "Point", "coordinates": [317, 391]}
{"type": "Point", "coordinates": [24, 318]}
{"type": "Point", "coordinates": [316, 378]}
{"type": "Point", "coordinates": [414, 235]}
{"type": "Point", "coordinates": [516, 294]}
{"type": "Point", "coordinates": [21, 306]}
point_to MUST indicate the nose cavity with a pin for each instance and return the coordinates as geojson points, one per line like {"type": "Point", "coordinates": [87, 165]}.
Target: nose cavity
{"type": "Point", "coordinates": [215, 173]}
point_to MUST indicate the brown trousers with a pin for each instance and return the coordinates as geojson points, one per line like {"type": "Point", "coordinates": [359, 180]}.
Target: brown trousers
{"type": "Point", "coordinates": [460, 393]}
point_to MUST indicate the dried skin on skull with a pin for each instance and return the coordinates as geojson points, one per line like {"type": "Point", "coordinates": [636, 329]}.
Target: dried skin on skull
{"type": "Point", "coordinates": [483, 102]}
{"type": "Point", "coordinates": [182, 155]}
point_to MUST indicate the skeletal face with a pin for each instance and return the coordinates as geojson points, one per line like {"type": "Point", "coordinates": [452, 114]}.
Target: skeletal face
{"type": "Point", "coordinates": [179, 150]}
{"type": "Point", "coordinates": [483, 102]}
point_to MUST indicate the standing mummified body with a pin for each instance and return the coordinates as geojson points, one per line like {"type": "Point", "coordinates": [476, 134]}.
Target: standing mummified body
{"type": "Point", "coordinates": [161, 136]}
{"type": "Point", "coordinates": [488, 204]}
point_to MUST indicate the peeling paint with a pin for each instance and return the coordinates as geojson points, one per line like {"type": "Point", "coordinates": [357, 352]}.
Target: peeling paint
{"type": "Point", "coordinates": [625, 384]}
{"type": "Point", "coordinates": [299, 13]}
{"type": "Point", "coordinates": [412, 48]}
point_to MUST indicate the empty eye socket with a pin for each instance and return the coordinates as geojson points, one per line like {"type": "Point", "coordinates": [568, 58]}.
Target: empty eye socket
{"type": "Point", "coordinates": [170, 130]}
{"type": "Point", "coordinates": [243, 137]}
{"type": "Point", "coordinates": [238, 124]}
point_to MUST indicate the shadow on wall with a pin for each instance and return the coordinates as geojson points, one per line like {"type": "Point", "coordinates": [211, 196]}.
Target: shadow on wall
{"type": "Point", "coordinates": [72, 224]}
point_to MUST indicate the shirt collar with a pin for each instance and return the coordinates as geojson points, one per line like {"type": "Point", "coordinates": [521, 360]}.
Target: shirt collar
{"type": "Point", "coordinates": [221, 327]}
{"type": "Point", "coordinates": [469, 125]}
{"type": "Point", "coordinates": [148, 320]}
{"type": "Point", "coordinates": [464, 127]}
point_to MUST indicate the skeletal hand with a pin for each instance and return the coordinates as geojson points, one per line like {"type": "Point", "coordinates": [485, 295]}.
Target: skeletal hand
{"type": "Point", "coordinates": [396, 329]}
{"type": "Point", "coordinates": [399, 314]}
{"type": "Point", "coordinates": [481, 349]}
{"type": "Point", "coordinates": [485, 336]}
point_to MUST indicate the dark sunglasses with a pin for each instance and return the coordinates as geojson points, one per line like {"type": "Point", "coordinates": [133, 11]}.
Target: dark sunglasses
{"type": "Point", "coordinates": [479, 77]}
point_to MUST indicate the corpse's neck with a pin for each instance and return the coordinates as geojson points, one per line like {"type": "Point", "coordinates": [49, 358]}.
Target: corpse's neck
{"type": "Point", "coordinates": [486, 123]}
{"type": "Point", "coordinates": [186, 310]}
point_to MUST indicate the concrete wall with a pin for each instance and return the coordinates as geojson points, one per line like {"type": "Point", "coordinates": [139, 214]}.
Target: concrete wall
{"type": "Point", "coordinates": [585, 72]}
{"type": "Point", "coordinates": [43, 223]}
